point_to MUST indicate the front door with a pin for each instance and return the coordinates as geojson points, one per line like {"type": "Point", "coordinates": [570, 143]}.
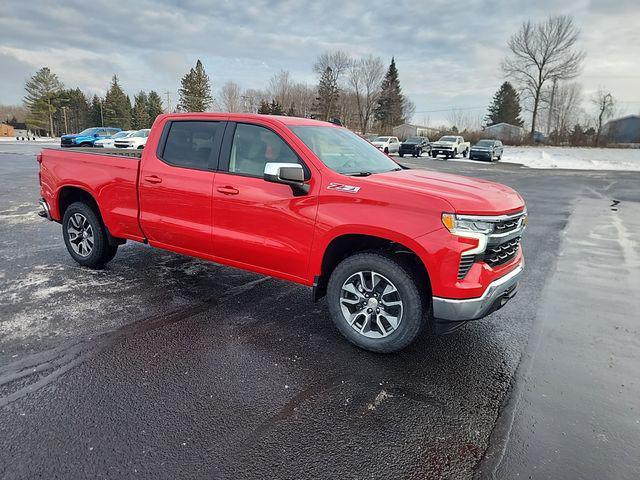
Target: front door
{"type": "Point", "coordinates": [257, 223]}
{"type": "Point", "coordinates": [176, 183]}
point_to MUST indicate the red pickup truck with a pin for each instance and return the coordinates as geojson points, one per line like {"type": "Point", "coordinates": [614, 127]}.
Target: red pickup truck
{"type": "Point", "coordinates": [393, 249]}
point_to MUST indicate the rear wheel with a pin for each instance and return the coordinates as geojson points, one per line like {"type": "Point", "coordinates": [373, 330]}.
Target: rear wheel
{"type": "Point", "coordinates": [86, 236]}
{"type": "Point", "coordinates": [375, 302]}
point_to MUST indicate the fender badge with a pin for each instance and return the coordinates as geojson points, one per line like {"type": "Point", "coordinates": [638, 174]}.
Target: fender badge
{"type": "Point", "coordinates": [343, 188]}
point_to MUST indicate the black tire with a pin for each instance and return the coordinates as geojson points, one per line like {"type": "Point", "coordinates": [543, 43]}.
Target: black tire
{"type": "Point", "coordinates": [434, 155]}
{"type": "Point", "coordinates": [465, 153]}
{"type": "Point", "coordinates": [386, 150]}
{"type": "Point", "coordinates": [498, 158]}
{"type": "Point", "coordinates": [401, 155]}
{"type": "Point", "coordinates": [101, 252]}
{"type": "Point", "coordinates": [140, 147]}
{"type": "Point", "coordinates": [86, 145]}
{"type": "Point", "coordinates": [412, 320]}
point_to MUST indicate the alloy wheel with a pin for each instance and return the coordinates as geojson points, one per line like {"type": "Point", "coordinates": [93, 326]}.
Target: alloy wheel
{"type": "Point", "coordinates": [81, 236]}
{"type": "Point", "coordinates": [371, 304]}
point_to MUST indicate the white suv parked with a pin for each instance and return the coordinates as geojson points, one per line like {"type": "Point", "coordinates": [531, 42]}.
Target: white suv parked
{"type": "Point", "coordinates": [135, 140]}
{"type": "Point", "coordinates": [387, 144]}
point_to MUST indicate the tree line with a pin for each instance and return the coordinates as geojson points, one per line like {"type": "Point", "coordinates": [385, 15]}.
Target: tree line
{"type": "Point", "coordinates": [53, 109]}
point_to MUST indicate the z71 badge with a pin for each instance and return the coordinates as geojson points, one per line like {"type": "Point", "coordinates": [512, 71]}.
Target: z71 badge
{"type": "Point", "coordinates": [343, 188]}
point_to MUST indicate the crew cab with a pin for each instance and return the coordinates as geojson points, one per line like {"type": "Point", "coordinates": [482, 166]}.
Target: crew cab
{"type": "Point", "coordinates": [486, 150]}
{"type": "Point", "coordinates": [450, 146]}
{"type": "Point", "coordinates": [386, 144]}
{"type": "Point", "coordinates": [414, 146]}
{"type": "Point", "coordinates": [393, 249]}
{"type": "Point", "coordinates": [87, 137]}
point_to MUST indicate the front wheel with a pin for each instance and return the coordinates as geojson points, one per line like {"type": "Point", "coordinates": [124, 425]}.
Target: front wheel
{"type": "Point", "coordinates": [401, 155]}
{"type": "Point", "coordinates": [375, 303]}
{"type": "Point", "coordinates": [465, 153]}
{"type": "Point", "coordinates": [86, 236]}
{"type": "Point", "coordinates": [386, 150]}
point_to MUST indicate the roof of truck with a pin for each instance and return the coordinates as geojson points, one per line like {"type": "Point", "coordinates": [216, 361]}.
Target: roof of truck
{"type": "Point", "coordinates": [246, 116]}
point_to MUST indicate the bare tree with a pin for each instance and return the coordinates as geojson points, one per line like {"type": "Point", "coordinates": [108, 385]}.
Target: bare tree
{"type": "Point", "coordinates": [337, 60]}
{"type": "Point", "coordinates": [279, 88]}
{"type": "Point", "coordinates": [251, 99]}
{"type": "Point", "coordinates": [230, 97]}
{"type": "Point", "coordinates": [541, 53]}
{"type": "Point", "coordinates": [564, 111]}
{"type": "Point", "coordinates": [364, 77]}
{"type": "Point", "coordinates": [605, 104]}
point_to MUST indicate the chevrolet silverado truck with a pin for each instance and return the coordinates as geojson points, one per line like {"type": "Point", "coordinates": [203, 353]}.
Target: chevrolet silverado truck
{"type": "Point", "coordinates": [450, 146]}
{"type": "Point", "coordinates": [394, 250]}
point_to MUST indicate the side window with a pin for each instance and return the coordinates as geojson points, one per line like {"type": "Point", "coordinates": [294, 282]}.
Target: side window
{"type": "Point", "coordinates": [254, 146]}
{"type": "Point", "coordinates": [190, 144]}
{"type": "Point", "coordinates": [102, 133]}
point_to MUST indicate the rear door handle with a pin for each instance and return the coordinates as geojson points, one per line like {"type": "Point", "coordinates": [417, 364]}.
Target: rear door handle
{"type": "Point", "coordinates": [228, 190]}
{"type": "Point", "coordinates": [153, 179]}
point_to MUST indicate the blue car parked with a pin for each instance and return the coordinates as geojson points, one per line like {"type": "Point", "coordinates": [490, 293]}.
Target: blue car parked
{"type": "Point", "coordinates": [87, 137]}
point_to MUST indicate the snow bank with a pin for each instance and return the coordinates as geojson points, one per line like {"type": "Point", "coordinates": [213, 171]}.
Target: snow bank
{"type": "Point", "coordinates": [574, 158]}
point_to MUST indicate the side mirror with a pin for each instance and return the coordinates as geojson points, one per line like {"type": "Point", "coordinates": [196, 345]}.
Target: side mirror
{"type": "Point", "coordinates": [291, 174]}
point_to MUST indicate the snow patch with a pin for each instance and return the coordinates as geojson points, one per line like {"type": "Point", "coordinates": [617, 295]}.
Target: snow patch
{"type": "Point", "coordinates": [574, 158]}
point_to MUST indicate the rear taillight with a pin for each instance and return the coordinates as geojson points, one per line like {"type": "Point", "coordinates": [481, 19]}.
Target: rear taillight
{"type": "Point", "coordinates": [39, 157]}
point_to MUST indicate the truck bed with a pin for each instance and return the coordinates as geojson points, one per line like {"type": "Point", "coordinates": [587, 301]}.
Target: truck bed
{"type": "Point", "coordinates": [109, 175]}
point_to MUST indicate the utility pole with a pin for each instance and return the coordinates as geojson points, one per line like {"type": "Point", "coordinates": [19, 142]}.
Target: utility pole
{"type": "Point", "coordinates": [101, 114]}
{"type": "Point", "coordinates": [167, 93]}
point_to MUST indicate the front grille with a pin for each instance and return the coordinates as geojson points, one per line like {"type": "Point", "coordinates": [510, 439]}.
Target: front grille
{"type": "Point", "coordinates": [506, 226]}
{"type": "Point", "coordinates": [500, 254]}
{"type": "Point", "coordinates": [466, 262]}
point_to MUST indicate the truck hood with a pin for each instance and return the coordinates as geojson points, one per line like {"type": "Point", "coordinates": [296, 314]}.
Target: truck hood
{"type": "Point", "coordinates": [466, 195]}
{"type": "Point", "coordinates": [444, 144]}
{"type": "Point", "coordinates": [378, 144]}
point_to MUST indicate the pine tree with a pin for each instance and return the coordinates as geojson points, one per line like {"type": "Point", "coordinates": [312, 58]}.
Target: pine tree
{"type": "Point", "coordinates": [116, 108]}
{"type": "Point", "coordinates": [95, 112]}
{"type": "Point", "coordinates": [154, 106]}
{"type": "Point", "coordinates": [390, 108]}
{"type": "Point", "coordinates": [505, 107]}
{"type": "Point", "coordinates": [41, 90]}
{"type": "Point", "coordinates": [276, 108]}
{"type": "Point", "coordinates": [140, 115]}
{"type": "Point", "coordinates": [72, 113]}
{"type": "Point", "coordinates": [195, 93]}
{"type": "Point", "coordinates": [328, 94]}
{"type": "Point", "coordinates": [264, 108]}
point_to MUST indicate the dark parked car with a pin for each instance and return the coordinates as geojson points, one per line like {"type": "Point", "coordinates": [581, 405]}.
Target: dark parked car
{"type": "Point", "coordinates": [486, 150]}
{"type": "Point", "coordinates": [414, 146]}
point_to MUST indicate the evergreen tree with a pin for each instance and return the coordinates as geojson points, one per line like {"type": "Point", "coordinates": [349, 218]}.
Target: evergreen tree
{"type": "Point", "coordinates": [154, 106]}
{"type": "Point", "coordinates": [328, 94]}
{"type": "Point", "coordinates": [292, 110]}
{"type": "Point", "coordinates": [72, 113]}
{"type": "Point", "coordinates": [505, 107]}
{"type": "Point", "coordinates": [195, 93]}
{"type": "Point", "coordinates": [390, 108]}
{"type": "Point", "coordinates": [264, 108]}
{"type": "Point", "coordinates": [95, 112]}
{"type": "Point", "coordinates": [42, 88]}
{"type": "Point", "coordinates": [276, 108]}
{"type": "Point", "coordinates": [140, 116]}
{"type": "Point", "coordinates": [116, 108]}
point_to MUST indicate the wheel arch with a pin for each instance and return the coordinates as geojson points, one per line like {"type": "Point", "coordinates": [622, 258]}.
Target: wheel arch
{"type": "Point", "coordinates": [343, 245]}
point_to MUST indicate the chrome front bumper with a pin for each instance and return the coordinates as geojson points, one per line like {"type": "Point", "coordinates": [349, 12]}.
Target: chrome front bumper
{"type": "Point", "coordinates": [497, 294]}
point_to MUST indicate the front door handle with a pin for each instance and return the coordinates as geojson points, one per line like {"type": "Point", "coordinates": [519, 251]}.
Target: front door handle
{"type": "Point", "coordinates": [153, 179]}
{"type": "Point", "coordinates": [228, 190]}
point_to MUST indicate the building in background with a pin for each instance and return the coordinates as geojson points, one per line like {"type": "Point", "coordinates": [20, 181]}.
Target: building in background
{"type": "Point", "coordinates": [407, 130]}
{"type": "Point", "coordinates": [505, 132]}
{"type": "Point", "coordinates": [6, 130]}
{"type": "Point", "coordinates": [623, 130]}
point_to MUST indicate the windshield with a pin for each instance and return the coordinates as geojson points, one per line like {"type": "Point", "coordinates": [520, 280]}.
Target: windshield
{"type": "Point", "coordinates": [121, 135]}
{"type": "Point", "coordinates": [448, 139]}
{"type": "Point", "coordinates": [141, 133]}
{"type": "Point", "coordinates": [343, 151]}
{"type": "Point", "coordinates": [485, 143]}
{"type": "Point", "coordinates": [88, 131]}
{"type": "Point", "coordinates": [381, 139]}
{"type": "Point", "coordinates": [413, 140]}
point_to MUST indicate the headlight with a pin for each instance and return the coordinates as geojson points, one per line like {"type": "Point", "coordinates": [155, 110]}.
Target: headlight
{"type": "Point", "coordinates": [460, 227]}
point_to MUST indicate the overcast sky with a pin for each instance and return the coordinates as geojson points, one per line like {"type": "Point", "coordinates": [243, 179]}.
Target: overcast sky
{"type": "Point", "coordinates": [448, 53]}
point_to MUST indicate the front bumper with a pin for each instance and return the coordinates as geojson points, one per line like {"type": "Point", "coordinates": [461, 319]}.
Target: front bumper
{"type": "Point", "coordinates": [44, 212]}
{"type": "Point", "coordinates": [497, 294]}
{"type": "Point", "coordinates": [480, 154]}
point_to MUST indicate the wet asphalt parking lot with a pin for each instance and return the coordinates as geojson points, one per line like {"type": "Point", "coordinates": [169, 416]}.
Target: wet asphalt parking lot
{"type": "Point", "coordinates": [163, 366]}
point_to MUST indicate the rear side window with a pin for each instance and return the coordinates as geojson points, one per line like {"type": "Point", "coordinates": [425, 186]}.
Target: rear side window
{"type": "Point", "coordinates": [255, 146]}
{"type": "Point", "coordinates": [190, 144]}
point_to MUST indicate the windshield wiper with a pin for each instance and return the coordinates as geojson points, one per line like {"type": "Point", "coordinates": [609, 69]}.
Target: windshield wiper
{"type": "Point", "coordinates": [358, 174]}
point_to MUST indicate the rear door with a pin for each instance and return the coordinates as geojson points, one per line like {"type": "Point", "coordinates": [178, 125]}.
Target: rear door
{"type": "Point", "coordinates": [259, 224]}
{"type": "Point", "coordinates": [176, 183]}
